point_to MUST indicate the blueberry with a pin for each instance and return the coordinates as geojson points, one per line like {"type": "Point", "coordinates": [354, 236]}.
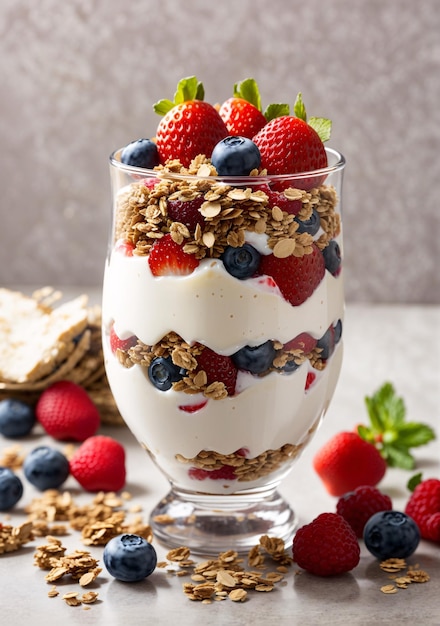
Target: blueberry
{"type": "Point", "coordinates": [11, 489]}
{"type": "Point", "coordinates": [327, 343]}
{"type": "Point", "coordinates": [17, 418]}
{"type": "Point", "coordinates": [46, 468]}
{"type": "Point", "coordinates": [129, 558]}
{"type": "Point", "coordinates": [337, 331]}
{"type": "Point", "coordinates": [310, 226]}
{"type": "Point", "coordinates": [290, 367]}
{"type": "Point", "coordinates": [235, 156]}
{"type": "Point", "coordinates": [255, 359]}
{"type": "Point", "coordinates": [163, 373]}
{"type": "Point", "coordinates": [141, 153]}
{"type": "Point", "coordinates": [391, 534]}
{"type": "Point", "coordinates": [332, 257]}
{"type": "Point", "coordinates": [241, 262]}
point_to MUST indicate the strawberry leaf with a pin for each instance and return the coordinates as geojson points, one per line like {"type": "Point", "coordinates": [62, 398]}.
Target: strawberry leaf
{"type": "Point", "coordinates": [299, 109]}
{"type": "Point", "coordinates": [276, 110]}
{"type": "Point", "coordinates": [187, 89]}
{"type": "Point", "coordinates": [322, 126]}
{"type": "Point", "coordinates": [390, 431]}
{"type": "Point", "coordinates": [248, 90]}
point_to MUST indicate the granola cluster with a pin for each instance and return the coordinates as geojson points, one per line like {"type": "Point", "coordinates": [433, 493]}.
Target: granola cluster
{"type": "Point", "coordinates": [228, 211]}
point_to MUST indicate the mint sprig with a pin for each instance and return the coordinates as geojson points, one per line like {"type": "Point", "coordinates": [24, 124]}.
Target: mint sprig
{"type": "Point", "coordinates": [390, 432]}
{"type": "Point", "coordinates": [187, 89]}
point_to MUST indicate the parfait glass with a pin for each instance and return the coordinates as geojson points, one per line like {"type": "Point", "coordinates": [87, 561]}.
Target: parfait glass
{"type": "Point", "coordinates": [222, 316]}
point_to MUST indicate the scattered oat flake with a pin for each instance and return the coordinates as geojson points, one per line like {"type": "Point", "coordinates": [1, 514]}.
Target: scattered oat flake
{"type": "Point", "coordinates": [388, 589]}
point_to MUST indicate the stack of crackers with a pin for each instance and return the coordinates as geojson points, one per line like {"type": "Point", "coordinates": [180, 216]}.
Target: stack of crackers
{"type": "Point", "coordinates": [42, 343]}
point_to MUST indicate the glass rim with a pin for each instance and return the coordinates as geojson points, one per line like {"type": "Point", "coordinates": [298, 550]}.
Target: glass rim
{"type": "Point", "coordinates": [139, 171]}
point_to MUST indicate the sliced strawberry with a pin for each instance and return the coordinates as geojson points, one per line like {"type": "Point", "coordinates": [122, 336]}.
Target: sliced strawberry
{"type": "Point", "coordinates": [186, 211]}
{"type": "Point", "coordinates": [218, 368]}
{"type": "Point", "coordinates": [225, 472]}
{"type": "Point", "coordinates": [121, 344]}
{"type": "Point", "coordinates": [311, 377]}
{"type": "Point", "coordinates": [124, 247]}
{"type": "Point", "coordinates": [167, 258]}
{"type": "Point", "coordinates": [241, 117]}
{"type": "Point", "coordinates": [296, 277]}
{"type": "Point", "coordinates": [279, 199]}
{"type": "Point", "coordinates": [303, 341]}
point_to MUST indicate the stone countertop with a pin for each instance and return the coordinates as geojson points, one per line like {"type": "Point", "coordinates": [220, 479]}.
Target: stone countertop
{"type": "Point", "coordinates": [382, 343]}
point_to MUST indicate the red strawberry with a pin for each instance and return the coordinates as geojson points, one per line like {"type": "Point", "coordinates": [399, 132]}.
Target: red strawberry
{"type": "Point", "coordinates": [297, 277]}
{"type": "Point", "coordinates": [357, 506]}
{"type": "Point", "coordinates": [327, 546]}
{"type": "Point", "coordinates": [424, 507]}
{"type": "Point", "coordinates": [346, 461]}
{"type": "Point", "coordinates": [66, 412]}
{"type": "Point", "coordinates": [218, 368]}
{"type": "Point", "coordinates": [167, 258]}
{"type": "Point", "coordinates": [241, 117]}
{"type": "Point", "coordinates": [121, 344]}
{"type": "Point", "coordinates": [289, 145]}
{"type": "Point", "coordinates": [186, 212]}
{"type": "Point", "coordinates": [310, 379]}
{"type": "Point", "coordinates": [303, 341]}
{"type": "Point", "coordinates": [278, 198]}
{"type": "Point", "coordinates": [124, 247]}
{"type": "Point", "coordinates": [225, 472]}
{"type": "Point", "coordinates": [99, 464]}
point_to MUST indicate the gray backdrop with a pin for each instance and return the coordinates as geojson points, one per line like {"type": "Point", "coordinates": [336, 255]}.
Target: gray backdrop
{"type": "Point", "coordinates": [78, 79]}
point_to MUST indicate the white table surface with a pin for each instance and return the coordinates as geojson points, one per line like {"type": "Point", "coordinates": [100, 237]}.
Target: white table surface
{"type": "Point", "coordinates": [382, 343]}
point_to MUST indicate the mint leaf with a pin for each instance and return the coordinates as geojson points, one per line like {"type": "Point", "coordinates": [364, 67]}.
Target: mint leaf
{"type": "Point", "coordinates": [413, 434]}
{"type": "Point", "coordinates": [248, 90]}
{"type": "Point", "coordinates": [299, 109]}
{"type": "Point", "coordinates": [322, 126]}
{"type": "Point", "coordinates": [276, 110]}
{"type": "Point", "coordinates": [187, 89]}
{"type": "Point", "coordinates": [414, 481]}
{"type": "Point", "coordinates": [396, 456]}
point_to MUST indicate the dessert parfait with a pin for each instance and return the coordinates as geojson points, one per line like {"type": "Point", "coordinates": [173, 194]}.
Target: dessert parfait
{"type": "Point", "coordinates": [223, 306]}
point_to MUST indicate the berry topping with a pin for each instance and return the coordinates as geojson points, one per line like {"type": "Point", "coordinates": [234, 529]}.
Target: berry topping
{"type": "Point", "coordinates": [326, 343]}
{"type": "Point", "coordinates": [225, 472]}
{"type": "Point", "coordinates": [337, 331]}
{"type": "Point", "coordinates": [424, 507]}
{"type": "Point", "coordinates": [357, 506]}
{"type": "Point", "coordinates": [310, 226]}
{"type": "Point", "coordinates": [129, 558]}
{"type": "Point", "coordinates": [186, 211]}
{"type": "Point", "coordinates": [99, 464]}
{"type": "Point", "coordinates": [346, 462]}
{"type": "Point", "coordinates": [116, 343]}
{"type": "Point", "coordinates": [327, 546]}
{"type": "Point", "coordinates": [17, 418]}
{"type": "Point", "coordinates": [162, 372]}
{"type": "Point", "coordinates": [235, 156]}
{"type": "Point", "coordinates": [242, 113]}
{"type": "Point", "coordinates": [391, 535]}
{"type": "Point", "coordinates": [66, 412]}
{"type": "Point", "coordinates": [124, 247]}
{"type": "Point", "coordinates": [167, 258]}
{"type": "Point", "coordinates": [141, 153]}
{"type": "Point", "coordinates": [283, 202]}
{"type": "Point", "coordinates": [296, 277]}
{"type": "Point", "coordinates": [332, 257]}
{"type": "Point", "coordinates": [255, 359]}
{"type": "Point", "coordinates": [310, 379]}
{"type": "Point", "coordinates": [11, 489]}
{"type": "Point", "coordinates": [218, 368]}
{"type": "Point", "coordinates": [190, 126]}
{"type": "Point", "coordinates": [46, 468]}
{"type": "Point", "coordinates": [303, 341]}
{"type": "Point", "coordinates": [241, 262]}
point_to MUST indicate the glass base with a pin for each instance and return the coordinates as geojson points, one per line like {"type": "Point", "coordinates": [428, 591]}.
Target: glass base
{"type": "Point", "coordinates": [211, 524]}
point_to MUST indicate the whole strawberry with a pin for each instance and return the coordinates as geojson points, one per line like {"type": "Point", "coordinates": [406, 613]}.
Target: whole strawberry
{"type": "Point", "coordinates": [242, 113]}
{"type": "Point", "coordinates": [424, 507]}
{"type": "Point", "coordinates": [327, 546]}
{"type": "Point", "coordinates": [346, 462]}
{"type": "Point", "coordinates": [297, 277]}
{"type": "Point", "coordinates": [99, 464]}
{"type": "Point", "coordinates": [190, 126]}
{"type": "Point", "coordinates": [357, 506]}
{"type": "Point", "coordinates": [66, 412]}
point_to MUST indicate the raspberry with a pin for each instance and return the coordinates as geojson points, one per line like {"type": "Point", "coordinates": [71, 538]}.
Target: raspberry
{"type": "Point", "coordinates": [66, 412]}
{"type": "Point", "coordinates": [327, 546]}
{"type": "Point", "coordinates": [99, 464]}
{"type": "Point", "coordinates": [424, 507]}
{"type": "Point", "coordinates": [357, 506]}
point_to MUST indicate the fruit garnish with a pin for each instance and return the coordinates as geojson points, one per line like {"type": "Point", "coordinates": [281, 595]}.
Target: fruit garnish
{"type": "Point", "coordinates": [346, 462]}
{"type": "Point", "coordinates": [303, 341]}
{"type": "Point", "coordinates": [117, 343]}
{"type": "Point", "coordinates": [225, 472]}
{"type": "Point", "coordinates": [11, 489]}
{"type": "Point", "coordinates": [424, 507]}
{"type": "Point", "coordinates": [327, 546]}
{"type": "Point", "coordinates": [168, 258]}
{"type": "Point", "coordinates": [99, 464]}
{"type": "Point", "coordinates": [129, 558]}
{"type": "Point", "coordinates": [17, 418]}
{"type": "Point", "coordinates": [241, 261]}
{"type": "Point", "coordinates": [162, 373]}
{"type": "Point", "coordinates": [296, 277]}
{"type": "Point", "coordinates": [390, 432]}
{"type": "Point", "coordinates": [255, 359]}
{"type": "Point", "coordinates": [357, 506]}
{"type": "Point", "coordinates": [190, 125]}
{"type": "Point", "coordinates": [46, 468]}
{"type": "Point", "coordinates": [186, 211]}
{"type": "Point", "coordinates": [235, 156]}
{"type": "Point", "coordinates": [141, 153]}
{"type": "Point", "coordinates": [391, 535]}
{"type": "Point", "coordinates": [218, 368]}
{"type": "Point", "coordinates": [332, 257]}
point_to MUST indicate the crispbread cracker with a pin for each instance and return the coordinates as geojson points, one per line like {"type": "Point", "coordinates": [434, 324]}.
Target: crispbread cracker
{"type": "Point", "coordinates": [35, 339]}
